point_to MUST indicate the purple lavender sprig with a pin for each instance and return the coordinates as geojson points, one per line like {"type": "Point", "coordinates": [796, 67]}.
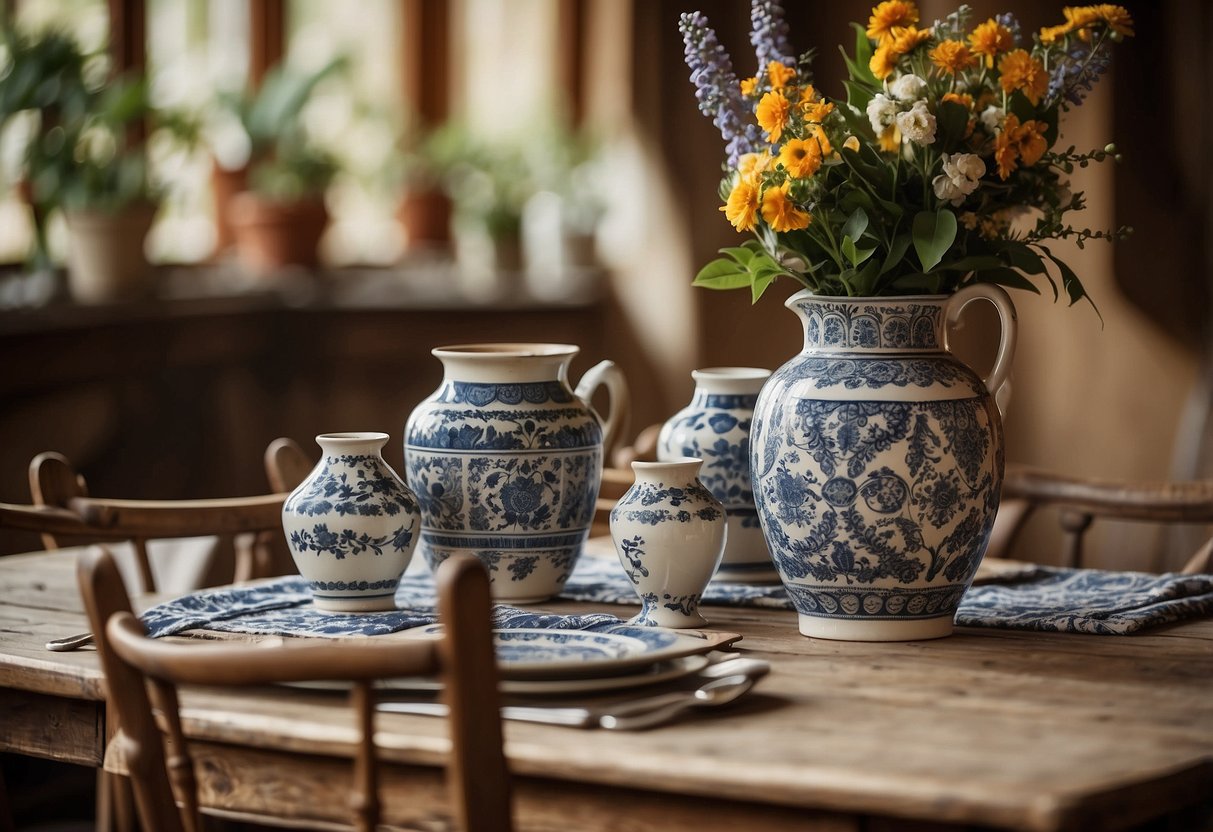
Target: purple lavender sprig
{"type": "Point", "coordinates": [1009, 21]}
{"type": "Point", "coordinates": [769, 34]}
{"type": "Point", "coordinates": [1076, 71]}
{"type": "Point", "coordinates": [717, 88]}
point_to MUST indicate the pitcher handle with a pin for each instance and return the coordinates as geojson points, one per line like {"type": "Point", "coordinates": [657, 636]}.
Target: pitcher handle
{"type": "Point", "coordinates": [616, 422]}
{"type": "Point", "coordinates": [998, 382]}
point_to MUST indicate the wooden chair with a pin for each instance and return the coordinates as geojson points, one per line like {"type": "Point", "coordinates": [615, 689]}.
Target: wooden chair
{"type": "Point", "coordinates": [143, 675]}
{"type": "Point", "coordinates": [1080, 501]}
{"type": "Point", "coordinates": [64, 514]}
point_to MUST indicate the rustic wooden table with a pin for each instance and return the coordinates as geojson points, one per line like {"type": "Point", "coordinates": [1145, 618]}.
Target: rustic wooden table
{"type": "Point", "coordinates": [988, 728]}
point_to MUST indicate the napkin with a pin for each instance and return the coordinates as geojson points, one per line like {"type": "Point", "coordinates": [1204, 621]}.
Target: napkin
{"type": "Point", "coordinates": [1044, 598]}
{"type": "Point", "coordinates": [282, 606]}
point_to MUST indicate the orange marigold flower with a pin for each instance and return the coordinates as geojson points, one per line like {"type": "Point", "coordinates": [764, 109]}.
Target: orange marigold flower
{"type": "Point", "coordinates": [779, 74]}
{"type": "Point", "coordinates": [991, 39]}
{"type": "Point", "coordinates": [808, 94]}
{"type": "Point", "coordinates": [800, 157]}
{"type": "Point", "coordinates": [902, 42]}
{"type": "Point", "coordinates": [1117, 18]}
{"type": "Point", "coordinates": [781, 213]}
{"type": "Point", "coordinates": [823, 140]}
{"type": "Point", "coordinates": [748, 86]}
{"type": "Point", "coordinates": [953, 56]}
{"type": "Point", "coordinates": [751, 165]}
{"type": "Point", "coordinates": [1051, 33]}
{"type": "Point", "coordinates": [816, 111]}
{"type": "Point", "coordinates": [741, 209]}
{"type": "Point", "coordinates": [883, 61]}
{"type": "Point", "coordinates": [1020, 71]}
{"type": "Point", "coordinates": [962, 98]}
{"type": "Point", "coordinates": [772, 114]}
{"type": "Point", "coordinates": [1019, 144]}
{"type": "Point", "coordinates": [889, 15]}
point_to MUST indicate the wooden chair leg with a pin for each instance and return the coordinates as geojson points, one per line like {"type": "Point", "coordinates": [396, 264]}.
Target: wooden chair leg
{"type": "Point", "coordinates": [115, 804]}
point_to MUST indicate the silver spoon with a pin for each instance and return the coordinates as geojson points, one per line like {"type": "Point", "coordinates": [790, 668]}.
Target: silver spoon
{"type": "Point", "coordinates": [717, 692]}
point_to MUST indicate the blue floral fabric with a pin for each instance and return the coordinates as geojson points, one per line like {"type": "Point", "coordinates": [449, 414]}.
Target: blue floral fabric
{"type": "Point", "coordinates": [1044, 598]}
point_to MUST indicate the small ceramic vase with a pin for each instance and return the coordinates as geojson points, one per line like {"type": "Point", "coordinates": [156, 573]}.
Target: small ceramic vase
{"type": "Point", "coordinates": [670, 534]}
{"type": "Point", "coordinates": [352, 525]}
{"type": "Point", "coordinates": [715, 427]}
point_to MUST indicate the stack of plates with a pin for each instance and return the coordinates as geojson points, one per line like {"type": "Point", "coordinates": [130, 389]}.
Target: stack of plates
{"type": "Point", "coordinates": [542, 661]}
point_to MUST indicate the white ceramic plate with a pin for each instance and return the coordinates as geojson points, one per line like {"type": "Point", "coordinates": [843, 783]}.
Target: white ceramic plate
{"type": "Point", "coordinates": [651, 675]}
{"type": "Point", "coordinates": [524, 653]}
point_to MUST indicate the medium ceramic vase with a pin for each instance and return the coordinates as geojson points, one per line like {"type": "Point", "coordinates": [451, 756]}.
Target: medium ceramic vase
{"type": "Point", "coordinates": [506, 460]}
{"type": "Point", "coordinates": [352, 525]}
{"type": "Point", "coordinates": [877, 460]}
{"type": "Point", "coordinates": [715, 427]}
{"type": "Point", "coordinates": [669, 531]}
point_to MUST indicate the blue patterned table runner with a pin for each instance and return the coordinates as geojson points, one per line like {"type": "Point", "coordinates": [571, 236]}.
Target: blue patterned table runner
{"type": "Point", "coordinates": [1040, 598]}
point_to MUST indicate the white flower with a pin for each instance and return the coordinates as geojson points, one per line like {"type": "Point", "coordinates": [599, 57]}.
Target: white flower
{"type": "Point", "coordinates": [908, 88]}
{"type": "Point", "coordinates": [968, 165]}
{"type": "Point", "coordinates": [882, 111]}
{"type": "Point", "coordinates": [992, 118]}
{"type": "Point", "coordinates": [961, 176]}
{"type": "Point", "coordinates": [918, 125]}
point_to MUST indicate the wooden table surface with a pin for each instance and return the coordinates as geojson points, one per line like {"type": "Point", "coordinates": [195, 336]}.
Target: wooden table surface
{"type": "Point", "coordinates": [988, 728]}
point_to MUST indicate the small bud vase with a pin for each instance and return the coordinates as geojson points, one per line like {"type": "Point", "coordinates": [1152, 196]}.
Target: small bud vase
{"type": "Point", "coordinates": [715, 427]}
{"type": "Point", "coordinates": [352, 525]}
{"type": "Point", "coordinates": [669, 532]}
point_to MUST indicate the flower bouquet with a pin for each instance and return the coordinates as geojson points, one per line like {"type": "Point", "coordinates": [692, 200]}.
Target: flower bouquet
{"type": "Point", "coordinates": [939, 168]}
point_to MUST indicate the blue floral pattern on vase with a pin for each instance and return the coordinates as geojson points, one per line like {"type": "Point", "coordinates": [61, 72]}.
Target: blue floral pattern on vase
{"type": "Point", "coordinates": [877, 475]}
{"type": "Point", "coordinates": [510, 473]}
{"type": "Point", "coordinates": [669, 532]}
{"type": "Point", "coordinates": [352, 525]}
{"type": "Point", "coordinates": [715, 427]}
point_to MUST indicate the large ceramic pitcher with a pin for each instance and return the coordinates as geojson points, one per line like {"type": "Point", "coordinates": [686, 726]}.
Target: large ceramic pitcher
{"type": "Point", "coordinates": [506, 461]}
{"type": "Point", "coordinates": [877, 460]}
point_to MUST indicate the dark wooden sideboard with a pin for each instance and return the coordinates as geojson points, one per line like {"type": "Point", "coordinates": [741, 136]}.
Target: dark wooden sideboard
{"type": "Point", "coordinates": [178, 397]}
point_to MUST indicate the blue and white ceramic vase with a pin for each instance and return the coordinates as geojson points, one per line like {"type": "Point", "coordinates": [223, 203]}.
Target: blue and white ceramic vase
{"type": "Point", "coordinates": [352, 525]}
{"type": "Point", "coordinates": [715, 427]}
{"type": "Point", "coordinates": [669, 531]}
{"type": "Point", "coordinates": [877, 461]}
{"type": "Point", "coordinates": [506, 460]}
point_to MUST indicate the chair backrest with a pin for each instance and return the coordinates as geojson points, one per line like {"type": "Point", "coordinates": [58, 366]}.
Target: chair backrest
{"type": "Point", "coordinates": [1081, 501]}
{"type": "Point", "coordinates": [142, 672]}
{"type": "Point", "coordinates": [286, 465]}
{"type": "Point", "coordinates": [65, 514]}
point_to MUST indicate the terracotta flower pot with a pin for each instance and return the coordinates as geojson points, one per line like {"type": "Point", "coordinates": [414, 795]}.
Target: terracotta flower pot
{"type": "Point", "coordinates": [105, 260]}
{"type": "Point", "coordinates": [271, 234]}
{"type": "Point", "coordinates": [425, 216]}
{"type": "Point", "coordinates": [225, 184]}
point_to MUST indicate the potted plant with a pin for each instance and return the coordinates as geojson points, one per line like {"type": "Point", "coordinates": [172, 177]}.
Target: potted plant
{"type": "Point", "coordinates": [491, 185]}
{"type": "Point", "coordinates": [425, 169]}
{"type": "Point", "coordinates": [279, 219]}
{"type": "Point", "coordinates": [876, 457]}
{"type": "Point", "coordinates": [86, 157]}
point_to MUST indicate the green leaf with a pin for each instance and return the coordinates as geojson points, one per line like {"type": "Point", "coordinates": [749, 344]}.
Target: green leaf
{"type": "Point", "coordinates": [897, 252]}
{"type": "Point", "coordinates": [934, 234]}
{"type": "Point", "coordinates": [1021, 107]}
{"type": "Point", "coordinates": [856, 224]}
{"type": "Point", "coordinates": [1071, 283]}
{"type": "Point", "coordinates": [858, 97]}
{"type": "Point", "coordinates": [1005, 277]}
{"type": "Point", "coordinates": [739, 253]}
{"type": "Point", "coordinates": [862, 70]}
{"type": "Point", "coordinates": [1027, 261]}
{"type": "Point", "coordinates": [760, 285]}
{"type": "Point", "coordinates": [927, 283]}
{"type": "Point", "coordinates": [864, 281]}
{"type": "Point", "coordinates": [722, 273]}
{"type": "Point", "coordinates": [855, 255]}
{"type": "Point", "coordinates": [968, 264]}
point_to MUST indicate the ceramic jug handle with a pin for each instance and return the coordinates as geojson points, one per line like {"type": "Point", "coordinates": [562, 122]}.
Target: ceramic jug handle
{"type": "Point", "coordinates": [605, 372]}
{"type": "Point", "coordinates": [998, 382]}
